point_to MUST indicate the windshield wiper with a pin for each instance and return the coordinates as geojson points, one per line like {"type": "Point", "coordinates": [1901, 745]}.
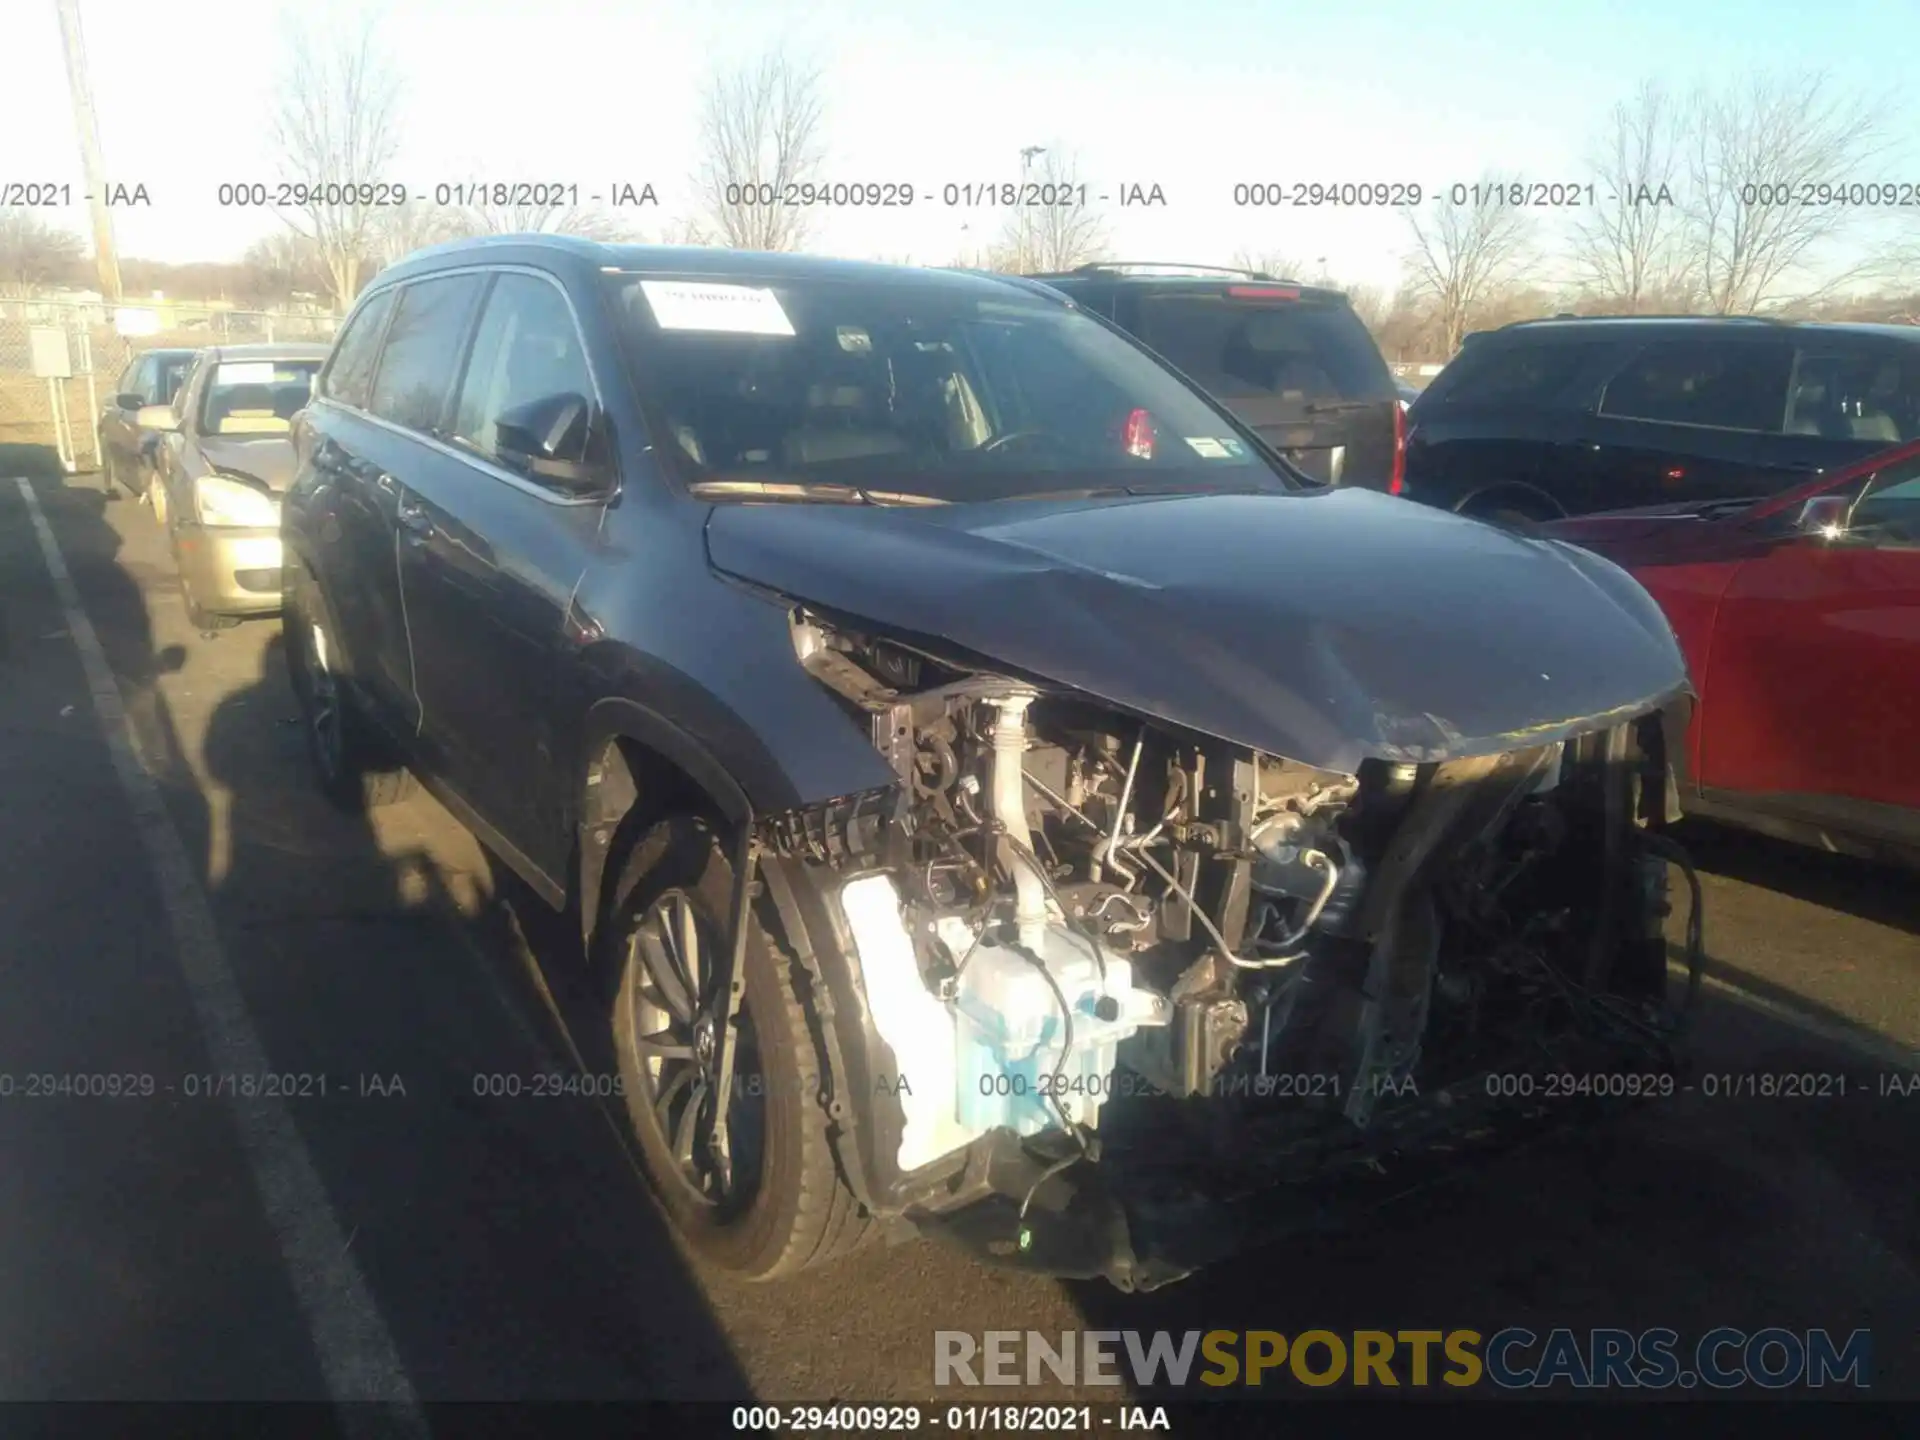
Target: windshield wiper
{"type": "Point", "coordinates": [819, 492]}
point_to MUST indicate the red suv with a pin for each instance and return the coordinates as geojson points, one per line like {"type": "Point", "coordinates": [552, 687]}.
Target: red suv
{"type": "Point", "coordinates": [1800, 617]}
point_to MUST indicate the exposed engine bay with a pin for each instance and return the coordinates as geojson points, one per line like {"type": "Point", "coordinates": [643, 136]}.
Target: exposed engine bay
{"type": "Point", "coordinates": [1104, 936]}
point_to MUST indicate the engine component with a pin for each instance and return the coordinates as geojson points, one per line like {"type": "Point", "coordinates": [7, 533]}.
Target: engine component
{"type": "Point", "coordinates": [1010, 810]}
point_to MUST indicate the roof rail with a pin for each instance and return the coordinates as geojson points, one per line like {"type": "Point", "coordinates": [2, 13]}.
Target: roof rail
{"type": "Point", "coordinates": [1100, 267]}
{"type": "Point", "coordinates": [1601, 319]}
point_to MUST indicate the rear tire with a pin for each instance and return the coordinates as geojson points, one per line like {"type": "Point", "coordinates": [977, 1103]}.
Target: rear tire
{"type": "Point", "coordinates": [787, 1208]}
{"type": "Point", "coordinates": [350, 762]}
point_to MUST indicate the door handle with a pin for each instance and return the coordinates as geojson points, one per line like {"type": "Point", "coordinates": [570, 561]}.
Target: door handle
{"type": "Point", "coordinates": [414, 520]}
{"type": "Point", "coordinates": [386, 482]}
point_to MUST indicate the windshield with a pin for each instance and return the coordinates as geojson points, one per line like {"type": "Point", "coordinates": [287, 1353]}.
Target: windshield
{"type": "Point", "coordinates": [922, 388]}
{"type": "Point", "coordinates": [255, 397]}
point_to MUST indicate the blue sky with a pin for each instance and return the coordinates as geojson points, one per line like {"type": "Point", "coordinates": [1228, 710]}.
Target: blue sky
{"type": "Point", "coordinates": [1192, 95]}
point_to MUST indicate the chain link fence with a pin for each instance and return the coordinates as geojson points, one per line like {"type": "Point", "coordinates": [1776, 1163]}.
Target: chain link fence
{"type": "Point", "coordinates": [61, 416]}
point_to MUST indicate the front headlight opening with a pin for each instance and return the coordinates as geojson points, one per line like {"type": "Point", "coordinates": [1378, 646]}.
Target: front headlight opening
{"type": "Point", "coordinates": [225, 501]}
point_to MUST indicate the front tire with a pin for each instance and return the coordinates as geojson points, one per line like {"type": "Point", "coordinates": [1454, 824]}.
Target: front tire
{"type": "Point", "coordinates": [784, 1207]}
{"type": "Point", "coordinates": [348, 759]}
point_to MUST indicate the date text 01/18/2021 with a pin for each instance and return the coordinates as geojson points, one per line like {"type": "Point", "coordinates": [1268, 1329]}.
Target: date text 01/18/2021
{"type": "Point", "coordinates": [958, 1419]}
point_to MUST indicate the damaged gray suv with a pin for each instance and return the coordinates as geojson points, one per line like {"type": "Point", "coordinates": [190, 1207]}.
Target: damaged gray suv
{"type": "Point", "coordinates": [999, 796]}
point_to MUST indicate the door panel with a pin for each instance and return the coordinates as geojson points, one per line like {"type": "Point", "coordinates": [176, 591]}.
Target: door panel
{"type": "Point", "coordinates": [353, 517]}
{"type": "Point", "coordinates": [489, 561]}
{"type": "Point", "coordinates": [1814, 682]}
{"type": "Point", "coordinates": [354, 462]}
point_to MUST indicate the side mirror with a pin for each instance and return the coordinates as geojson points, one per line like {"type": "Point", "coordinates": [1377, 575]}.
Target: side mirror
{"type": "Point", "coordinates": [548, 438]}
{"type": "Point", "coordinates": [156, 417]}
{"type": "Point", "coordinates": [1825, 516]}
{"type": "Point", "coordinates": [129, 400]}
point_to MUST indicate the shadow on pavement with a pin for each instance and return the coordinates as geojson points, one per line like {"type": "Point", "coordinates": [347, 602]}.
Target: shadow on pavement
{"type": "Point", "coordinates": [508, 1244]}
{"type": "Point", "coordinates": [1865, 888]}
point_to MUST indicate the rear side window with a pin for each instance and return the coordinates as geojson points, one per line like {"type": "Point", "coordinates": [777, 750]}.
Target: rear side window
{"type": "Point", "coordinates": [525, 351]}
{"type": "Point", "coordinates": [1864, 395]}
{"type": "Point", "coordinates": [1725, 385]}
{"type": "Point", "coordinates": [351, 369]}
{"type": "Point", "coordinates": [1241, 349]}
{"type": "Point", "coordinates": [422, 349]}
{"type": "Point", "coordinates": [1512, 374]}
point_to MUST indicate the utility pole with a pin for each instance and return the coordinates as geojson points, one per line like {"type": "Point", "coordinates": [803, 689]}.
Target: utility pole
{"type": "Point", "coordinates": [103, 252]}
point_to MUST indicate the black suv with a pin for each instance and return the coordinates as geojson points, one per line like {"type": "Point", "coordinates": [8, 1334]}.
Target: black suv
{"type": "Point", "coordinates": [975, 766]}
{"type": "Point", "coordinates": [1547, 418]}
{"type": "Point", "coordinates": [1291, 360]}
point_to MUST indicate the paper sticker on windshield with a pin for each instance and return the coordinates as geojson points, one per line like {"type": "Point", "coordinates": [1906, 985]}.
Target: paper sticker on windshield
{"type": "Point", "coordinates": [732, 309]}
{"type": "Point", "coordinates": [1209, 447]}
{"type": "Point", "coordinates": [854, 340]}
{"type": "Point", "coordinates": [250, 372]}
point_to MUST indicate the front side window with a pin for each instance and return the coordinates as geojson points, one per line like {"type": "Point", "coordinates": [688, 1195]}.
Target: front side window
{"type": "Point", "coordinates": [1723, 384]}
{"type": "Point", "coordinates": [423, 346]}
{"type": "Point", "coordinates": [1861, 395]}
{"type": "Point", "coordinates": [526, 355]}
{"type": "Point", "coordinates": [184, 388]}
{"type": "Point", "coordinates": [938, 387]}
{"type": "Point", "coordinates": [350, 372]}
{"type": "Point", "coordinates": [255, 397]}
{"type": "Point", "coordinates": [173, 372]}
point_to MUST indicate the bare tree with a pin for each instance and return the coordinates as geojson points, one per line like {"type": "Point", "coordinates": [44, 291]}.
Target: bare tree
{"type": "Point", "coordinates": [1756, 150]}
{"type": "Point", "coordinates": [1463, 254]}
{"type": "Point", "coordinates": [551, 218]}
{"type": "Point", "coordinates": [1371, 304]}
{"type": "Point", "coordinates": [688, 230]}
{"type": "Point", "coordinates": [35, 253]}
{"type": "Point", "coordinates": [1050, 237]}
{"type": "Point", "coordinates": [761, 131]}
{"type": "Point", "coordinates": [1276, 263]}
{"type": "Point", "coordinates": [1626, 249]}
{"type": "Point", "coordinates": [335, 128]}
{"type": "Point", "coordinates": [399, 230]}
{"type": "Point", "coordinates": [275, 268]}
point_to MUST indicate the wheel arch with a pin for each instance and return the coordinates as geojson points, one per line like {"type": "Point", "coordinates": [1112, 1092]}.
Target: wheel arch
{"type": "Point", "coordinates": [1534, 499]}
{"type": "Point", "coordinates": [640, 765]}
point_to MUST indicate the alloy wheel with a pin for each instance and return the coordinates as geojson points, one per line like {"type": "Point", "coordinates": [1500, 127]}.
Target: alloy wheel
{"type": "Point", "coordinates": [677, 1008]}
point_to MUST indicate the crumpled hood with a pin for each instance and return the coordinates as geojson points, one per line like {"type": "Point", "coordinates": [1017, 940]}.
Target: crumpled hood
{"type": "Point", "coordinates": [266, 458]}
{"type": "Point", "coordinates": [1325, 626]}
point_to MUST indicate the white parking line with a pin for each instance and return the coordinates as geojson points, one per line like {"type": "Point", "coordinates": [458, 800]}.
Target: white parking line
{"type": "Point", "coordinates": [350, 1338]}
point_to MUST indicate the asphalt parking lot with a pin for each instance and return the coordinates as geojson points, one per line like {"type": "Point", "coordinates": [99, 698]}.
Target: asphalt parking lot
{"type": "Point", "coordinates": [384, 1230]}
